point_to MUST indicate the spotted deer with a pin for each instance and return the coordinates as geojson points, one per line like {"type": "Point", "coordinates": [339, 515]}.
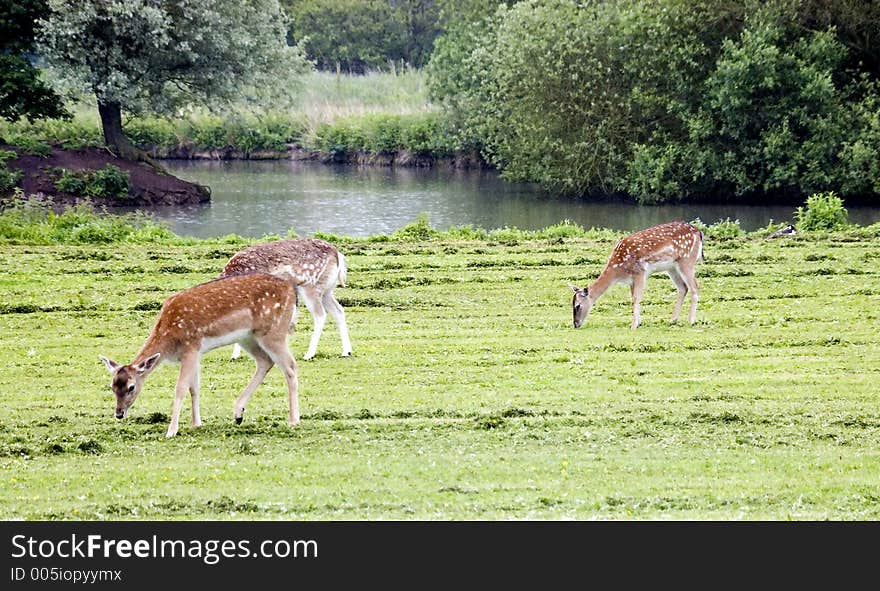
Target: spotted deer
{"type": "Point", "coordinates": [674, 247]}
{"type": "Point", "coordinates": [314, 267]}
{"type": "Point", "coordinates": [254, 310]}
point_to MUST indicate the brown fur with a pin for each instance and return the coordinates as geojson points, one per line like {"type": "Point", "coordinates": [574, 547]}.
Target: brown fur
{"type": "Point", "coordinates": [254, 310]}
{"type": "Point", "coordinates": [674, 247]}
{"type": "Point", "coordinates": [315, 267]}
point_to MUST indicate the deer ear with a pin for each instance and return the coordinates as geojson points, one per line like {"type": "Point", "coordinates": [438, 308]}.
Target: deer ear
{"type": "Point", "coordinates": [112, 366]}
{"type": "Point", "coordinates": [148, 363]}
{"type": "Point", "coordinates": [573, 288]}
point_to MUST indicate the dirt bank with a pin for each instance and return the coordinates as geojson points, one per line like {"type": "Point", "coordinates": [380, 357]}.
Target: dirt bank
{"type": "Point", "coordinates": [146, 185]}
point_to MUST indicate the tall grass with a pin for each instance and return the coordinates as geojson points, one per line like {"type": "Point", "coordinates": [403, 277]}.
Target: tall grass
{"type": "Point", "coordinates": [323, 102]}
{"type": "Point", "coordinates": [326, 97]}
{"type": "Point", "coordinates": [34, 221]}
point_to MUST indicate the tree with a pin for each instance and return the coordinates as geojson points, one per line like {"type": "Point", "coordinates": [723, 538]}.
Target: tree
{"type": "Point", "coordinates": [157, 55]}
{"type": "Point", "coordinates": [355, 35]}
{"type": "Point", "coordinates": [22, 93]}
{"type": "Point", "coordinates": [352, 35]}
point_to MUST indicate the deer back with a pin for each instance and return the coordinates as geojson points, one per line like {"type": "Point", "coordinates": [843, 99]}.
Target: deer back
{"type": "Point", "coordinates": [659, 245]}
{"type": "Point", "coordinates": [254, 303]}
{"type": "Point", "coordinates": [304, 261]}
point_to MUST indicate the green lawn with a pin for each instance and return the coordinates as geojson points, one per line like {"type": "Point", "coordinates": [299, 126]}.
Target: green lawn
{"type": "Point", "coordinates": [469, 395]}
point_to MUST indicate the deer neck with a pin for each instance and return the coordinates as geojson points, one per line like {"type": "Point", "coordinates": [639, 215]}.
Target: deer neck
{"type": "Point", "coordinates": [150, 348]}
{"type": "Point", "coordinates": [605, 280]}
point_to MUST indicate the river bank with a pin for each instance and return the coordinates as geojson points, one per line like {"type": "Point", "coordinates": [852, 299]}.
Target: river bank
{"type": "Point", "coordinates": [63, 175]}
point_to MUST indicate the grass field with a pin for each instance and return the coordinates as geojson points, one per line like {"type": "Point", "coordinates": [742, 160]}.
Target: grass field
{"type": "Point", "coordinates": [469, 395]}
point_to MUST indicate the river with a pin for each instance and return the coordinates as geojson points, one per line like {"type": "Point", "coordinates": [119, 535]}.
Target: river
{"type": "Point", "coordinates": [255, 198]}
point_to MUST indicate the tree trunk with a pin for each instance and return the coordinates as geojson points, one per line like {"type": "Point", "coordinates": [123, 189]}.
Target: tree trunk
{"type": "Point", "coordinates": [114, 136]}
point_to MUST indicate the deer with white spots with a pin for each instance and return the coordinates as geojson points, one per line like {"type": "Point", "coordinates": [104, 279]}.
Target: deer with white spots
{"type": "Point", "coordinates": [254, 310]}
{"type": "Point", "coordinates": [314, 267]}
{"type": "Point", "coordinates": [674, 247]}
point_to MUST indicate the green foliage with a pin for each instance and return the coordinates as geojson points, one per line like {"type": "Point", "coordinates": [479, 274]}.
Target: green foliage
{"type": "Point", "coordinates": [383, 134]}
{"type": "Point", "coordinates": [31, 221]}
{"type": "Point", "coordinates": [71, 182]}
{"type": "Point", "coordinates": [721, 230]}
{"type": "Point", "coordinates": [142, 56]}
{"type": "Point", "coordinates": [418, 230]}
{"type": "Point", "coordinates": [357, 35]}
{"type": "Point", "coordinates": [109, 181]}
{"type": "Point", "coordinates": [22, 91]}
{"type": "Point", "coordinates": [775, 116]}
{"type": "Point", "coordinates": [207, 52]}
{"type": "Point", "coordinates": [152, 132]}
{"type": "Point", "coordinates": [823, 212]}
{"type": "Point", "coordinates": [668, 99]}
{"type": "Point", "coordinates": [561, 91]}
{"type": "Point", "coordinates": [8, 178]}
{"type": "Point", "coordinates": [243, 132]}
{"type": "Point", "coordinates": [30, 145]}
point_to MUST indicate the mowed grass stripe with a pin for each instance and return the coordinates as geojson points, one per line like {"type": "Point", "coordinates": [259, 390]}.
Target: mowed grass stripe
{"type": "Point", "coordinates": [469, 394]}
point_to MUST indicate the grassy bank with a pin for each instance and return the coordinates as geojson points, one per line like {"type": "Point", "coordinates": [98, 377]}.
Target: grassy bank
{"type": "Point", "coordinates": [469, 395]}
{"type": "Point", "coordinates": [344, 118]}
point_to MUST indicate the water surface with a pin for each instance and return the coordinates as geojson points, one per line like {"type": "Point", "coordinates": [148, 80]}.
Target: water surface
{"type": "Point", "coordinates": [255, 198]}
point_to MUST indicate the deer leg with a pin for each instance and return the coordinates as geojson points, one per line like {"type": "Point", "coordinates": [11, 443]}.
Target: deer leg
{"type": "Point", "coordinates": [275, 346]}
{"type": "Point", "coordinates": [236, 351]}
{"type": "Point", "coordinates": [682, 292]}
{"type": "Point", "coordinates": [189, 364]}
{"type": "Point", "coordinates": [691, 280]}
{"type": "Point", "coordinates": [316, 308]}
{"type": "Point", "coordinates": [332, 305]}
{"type": "Point", "coordinates": [264, 364]}
{"type": "Point", "coordinates": [638, 286]}
{"type": "Point", "coordinates": [194, 393]}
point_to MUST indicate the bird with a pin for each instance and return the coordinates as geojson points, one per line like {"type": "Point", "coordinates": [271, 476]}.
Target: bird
{"type": "Point", "coordinates": [786, 231]}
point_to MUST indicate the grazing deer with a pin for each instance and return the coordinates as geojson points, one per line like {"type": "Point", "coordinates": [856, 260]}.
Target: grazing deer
{"type": "Point", "coordinates": [674, 247]}
{"type": "Point", "coordinates": [314, 267]}
{"type": "Point", "coordinates": [254, 310]}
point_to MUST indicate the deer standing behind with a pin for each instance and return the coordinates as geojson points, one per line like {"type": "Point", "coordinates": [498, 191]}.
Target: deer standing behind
{"type": "Point", "coordinates": [314, 267]}
{"type": "Point", "coordinates": [674, 247]}
{"type": "Point", "coordinates": [254, 310]}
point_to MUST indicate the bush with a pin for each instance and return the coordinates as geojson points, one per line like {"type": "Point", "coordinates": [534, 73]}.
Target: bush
{"type": "Point", "coordinates": [721, 230]}
{"type": "Point", "coordinates": [824, 212]}
{"type": "Point", "coordinates": [70, 182]}
{"type": "Point", "coordinates": [416, 231]}
{"type": "Point", "coordinates": [109, 181]}
{"type": "Point", "coordinates": [152, 132]}
{"type": "Point", "coordinates": [30, 145]}
{"type": "Point", "coordinates": [8, 178]}
{"type": "Point", "coordinates": [33, 221]}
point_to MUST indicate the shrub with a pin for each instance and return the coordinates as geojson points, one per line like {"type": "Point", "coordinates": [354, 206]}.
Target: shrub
{"type": "Point", "coordinates": [564, 229]}
{"type": "Point", "coordinates": [152, 132]}
{"type": "Point", "coordinates": [384, 134]}
{"type": "Point", "coordinates": [824, 212]}
{"type": "Point", "coordinates": [32, 221]}
{"type": "Point", "coordinates": [426, 134]}
{"type": "Point", "coordinates": [8, 178]}
{"type": "Point", "coordinates": [721, 230]}
{"type": "Point", "coordinates": [70, 182]}
{"type": "Point", "coordinates": [109, 181]}
{"type": "Point", "coordinates": [209, 133]}
{"type": "Point", "coordinates": [30, 145]}
{"type": "Point", "coordinates": [416, 231]}
{"type": "Point", "coordinates": [466, 232]}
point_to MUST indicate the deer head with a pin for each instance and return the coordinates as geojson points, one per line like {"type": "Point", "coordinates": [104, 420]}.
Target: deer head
{"type": "Point", "coordinates": [128, 380]}
{"type": "Point", "coordinates": [581, 304]}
